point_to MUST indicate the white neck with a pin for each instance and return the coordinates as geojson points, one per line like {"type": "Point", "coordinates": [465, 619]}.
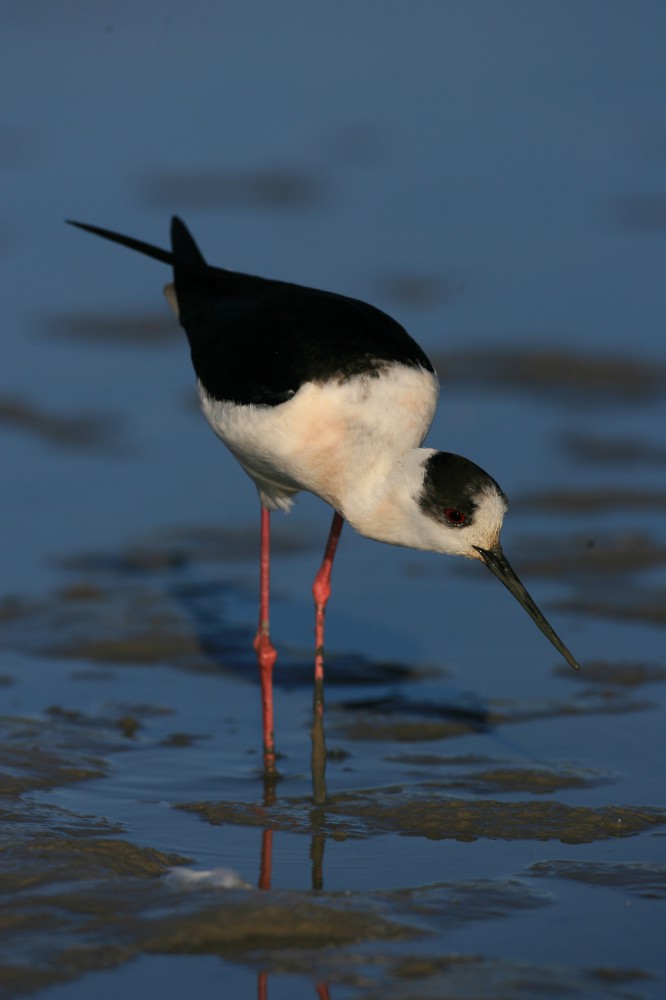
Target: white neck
{"type": "Point", "coordinates": [384, 503]}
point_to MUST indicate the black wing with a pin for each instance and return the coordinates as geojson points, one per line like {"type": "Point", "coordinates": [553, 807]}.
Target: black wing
{"type": "Point", "coordinates": [257, 341]}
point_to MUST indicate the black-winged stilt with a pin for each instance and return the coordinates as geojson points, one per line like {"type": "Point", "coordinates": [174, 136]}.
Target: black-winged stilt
{"type": "Point", "coordinates": [316, 391]}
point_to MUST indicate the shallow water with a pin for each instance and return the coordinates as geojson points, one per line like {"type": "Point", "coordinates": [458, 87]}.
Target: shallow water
{"type": "Point", "coordinates": [495, 823]}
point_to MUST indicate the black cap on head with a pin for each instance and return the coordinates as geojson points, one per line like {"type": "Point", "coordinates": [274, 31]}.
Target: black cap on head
{"type": "Point", "coordinates": [451, 481]}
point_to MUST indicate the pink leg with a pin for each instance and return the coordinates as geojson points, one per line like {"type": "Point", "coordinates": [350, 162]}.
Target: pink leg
{"type": "Point", "coordinates": [264, 648]}
{"type": "Point", "coordinates": [321, 591]}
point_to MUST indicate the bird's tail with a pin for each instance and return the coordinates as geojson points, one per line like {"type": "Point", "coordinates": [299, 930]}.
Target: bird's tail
{"type": "Point", "coordinates": [185, 250]}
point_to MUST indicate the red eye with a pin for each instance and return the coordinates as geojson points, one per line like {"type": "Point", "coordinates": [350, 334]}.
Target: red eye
{"type": "Point", "coordinates": [454, 516]}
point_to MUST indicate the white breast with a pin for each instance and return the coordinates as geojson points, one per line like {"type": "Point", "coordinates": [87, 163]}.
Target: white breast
{"type": "Point", "coordinates": [338, 440]}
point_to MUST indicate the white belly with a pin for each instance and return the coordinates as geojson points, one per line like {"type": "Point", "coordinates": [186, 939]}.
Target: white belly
{"type": "Point", "coordinates": [335, 440]}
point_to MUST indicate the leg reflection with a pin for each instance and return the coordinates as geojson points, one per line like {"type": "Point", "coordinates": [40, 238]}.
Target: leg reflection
{"type": "Point", "coordinates": [265, 874]}
{"type": "Point", "coordinates": [262, 986]}
{"type": "Point", "coordinates": [317, 856]}
{"type": "Point", "coordinates": [266, 868]}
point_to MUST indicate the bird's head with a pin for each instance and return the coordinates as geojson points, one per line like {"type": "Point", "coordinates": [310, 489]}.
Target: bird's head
{"type": "Point", "coordinates": [464, 508]}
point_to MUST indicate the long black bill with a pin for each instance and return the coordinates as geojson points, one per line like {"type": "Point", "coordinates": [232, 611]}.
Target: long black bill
{"type": "Point", "coordinates": [498, 564]}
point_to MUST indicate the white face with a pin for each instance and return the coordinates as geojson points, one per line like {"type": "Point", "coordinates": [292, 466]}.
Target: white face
{"type": "Point", "coordinates": [460, 507]}
{"type": "Point", "coordinates": [460, 531]}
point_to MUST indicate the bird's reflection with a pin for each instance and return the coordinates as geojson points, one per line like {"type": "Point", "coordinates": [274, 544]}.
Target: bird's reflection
{"type": "Point", "coordinates": [318, 840]}
{"type": "Point", "coordinates": [321, 989]}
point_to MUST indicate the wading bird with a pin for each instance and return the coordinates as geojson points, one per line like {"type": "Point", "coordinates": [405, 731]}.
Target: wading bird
{"type": "Point", "coordinates": [316, 391]}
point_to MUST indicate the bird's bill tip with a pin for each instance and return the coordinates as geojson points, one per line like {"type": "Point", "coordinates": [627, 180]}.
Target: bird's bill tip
{"type": "Point", "coordinates": [498, 564]}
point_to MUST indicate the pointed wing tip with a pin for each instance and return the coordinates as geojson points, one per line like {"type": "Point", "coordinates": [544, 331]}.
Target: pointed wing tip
{"type": "Point", "coordinates": [184, 246]}
{"type": "Point", "coordinates": [126, 241]}
{"type": "Point", "coordinates": [177, 228]}
{"type": "Point", "coordinates": [88, 228]}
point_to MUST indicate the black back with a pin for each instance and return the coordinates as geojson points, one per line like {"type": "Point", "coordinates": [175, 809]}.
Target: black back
{"type": "Point", "coordinates": [257, 341]}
